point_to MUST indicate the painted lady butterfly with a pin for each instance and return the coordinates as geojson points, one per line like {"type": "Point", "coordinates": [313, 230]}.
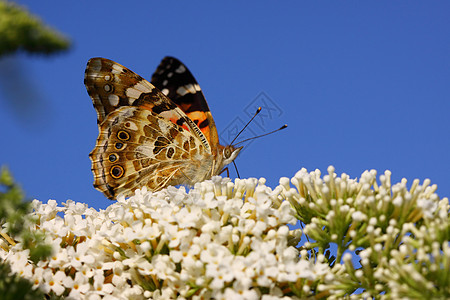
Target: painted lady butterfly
{"type": "Point", "coordinates": [151, 134]}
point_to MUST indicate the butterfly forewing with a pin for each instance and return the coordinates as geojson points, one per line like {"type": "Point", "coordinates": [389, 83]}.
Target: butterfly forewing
{"type": "Point", "coordinates": [137, 147]}
{"type": "Point", "coordinates": [175, 80]}
{"type": "Point", "coordinates": [111, 85]}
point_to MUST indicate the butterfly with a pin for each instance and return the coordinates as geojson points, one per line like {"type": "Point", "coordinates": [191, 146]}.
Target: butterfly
{"type": "Point", "coordinates": [151, 134]}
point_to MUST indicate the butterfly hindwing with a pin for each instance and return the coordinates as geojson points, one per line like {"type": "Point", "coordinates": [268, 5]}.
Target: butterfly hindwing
{"type": "Point", "coordinates": [175, 80]}
{"type": "Point", "coordinates": [137, 147]}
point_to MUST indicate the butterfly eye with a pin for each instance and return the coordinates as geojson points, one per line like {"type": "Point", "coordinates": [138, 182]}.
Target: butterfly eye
{"type": "Point", "coordinates": [226, 152]}
{"type": "Point", "coordinates": [123, 135]}
{"type": "Point", "coordinates": [118, 146]}
{"type": "Point", "coordinates": [116, 172]}
{"type": "Point", "coordinates": [112, 157]}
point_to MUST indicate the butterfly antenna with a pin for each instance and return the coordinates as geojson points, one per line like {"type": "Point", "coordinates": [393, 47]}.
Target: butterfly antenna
{"type": "Point", "coordinates": [239, 176]}
{"type": "Point", "coordinates": [258, 136]}
{"type": "Point", "coordinates": [248, 123]}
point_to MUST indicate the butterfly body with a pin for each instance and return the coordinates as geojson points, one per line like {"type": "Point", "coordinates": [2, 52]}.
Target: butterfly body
{"type": "Point", "coordinates": [145, 138]}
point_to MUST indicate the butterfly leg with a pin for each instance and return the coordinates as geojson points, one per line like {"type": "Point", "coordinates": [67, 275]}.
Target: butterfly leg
{"type": "Point", "coordinates": [237, 171]}
{"type": "Point", "coordinates": [228, 172]}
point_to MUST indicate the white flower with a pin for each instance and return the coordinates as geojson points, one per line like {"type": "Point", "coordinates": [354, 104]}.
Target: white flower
{"type": "Point", "coordinates": [78, 286]}
{"type": "Point", "coordinates": [428, 206]}
{"type": "Point", "coordinates": [54, 282]}
{"type": "Point", "coordinates": [100, 287]}
{"type": "Point", "coordinates": [79, 256]}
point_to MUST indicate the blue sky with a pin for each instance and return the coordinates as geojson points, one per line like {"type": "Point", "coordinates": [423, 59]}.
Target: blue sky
{"type": "Point", "coordinates": [361, 84]}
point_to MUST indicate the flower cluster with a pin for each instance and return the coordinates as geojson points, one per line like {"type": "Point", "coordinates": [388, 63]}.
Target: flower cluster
{"type": "Point", "coordinates": [220, 240]}
{"type": "Point", "coordinates": [231, 240]}
{"type": "Point", "coordinates": [399, 237]}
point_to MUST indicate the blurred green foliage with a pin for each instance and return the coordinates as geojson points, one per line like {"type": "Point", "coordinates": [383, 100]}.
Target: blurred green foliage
{"type": "Point", "coordinates": [20, 30]}
{"type": "Point", "coordinates": [13, 217]}
{"type": "Point", "coordinates": [12, 205]}
{"type": "Point", "coordinates": [13, 287]}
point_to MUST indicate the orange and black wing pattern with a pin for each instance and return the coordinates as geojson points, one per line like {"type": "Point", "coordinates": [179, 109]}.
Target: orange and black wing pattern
{"type": "Point", "coordinates": [175, 80]}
